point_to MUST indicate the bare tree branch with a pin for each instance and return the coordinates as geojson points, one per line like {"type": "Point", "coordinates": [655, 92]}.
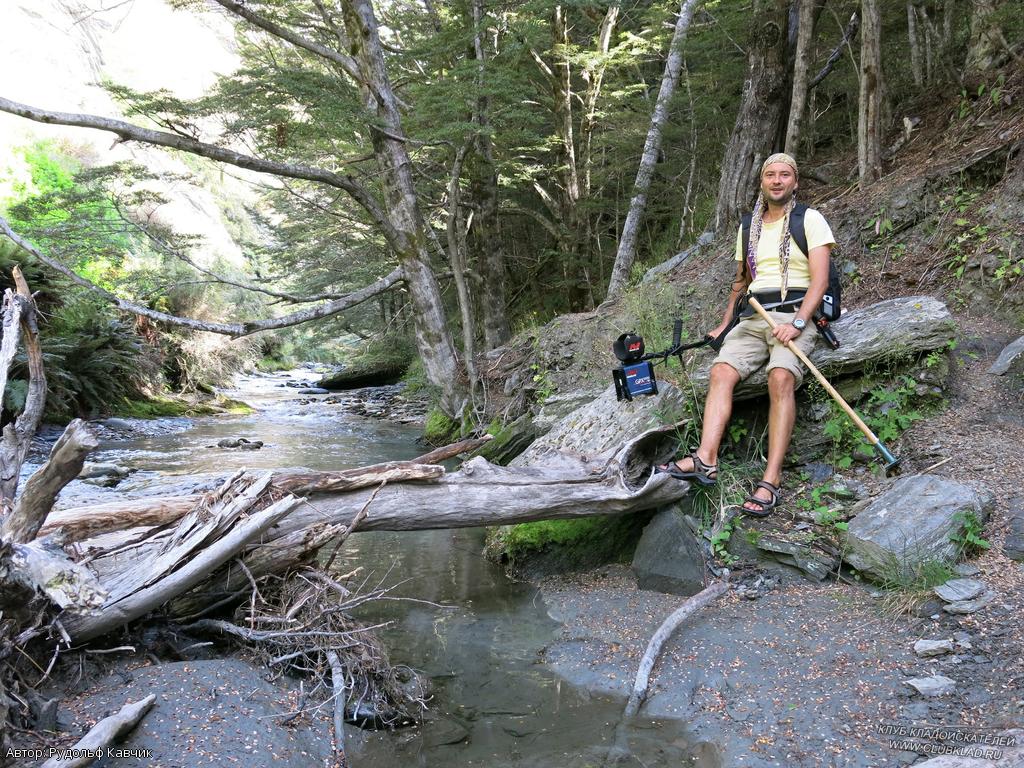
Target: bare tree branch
{"type": "Point", "coordinates": [235, 330]}
{"type": "Point", "coordinates": [848, 34]}
{"type": "Point", "coordinates": [347, 63]}
{"type": "Point", "coordinates": [130, 132]}
{"type": "Point", "coordinates": [166, 248]}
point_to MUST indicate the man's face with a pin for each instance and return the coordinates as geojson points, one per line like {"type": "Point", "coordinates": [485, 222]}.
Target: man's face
{"type": "Point", "coordinates": [778, 183]}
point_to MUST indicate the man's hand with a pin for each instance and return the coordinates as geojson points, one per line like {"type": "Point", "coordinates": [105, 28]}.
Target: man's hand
{"type": "Point", "coordinates": [718, 331]}
{"type": "Point", "coordinates": [786, 333]}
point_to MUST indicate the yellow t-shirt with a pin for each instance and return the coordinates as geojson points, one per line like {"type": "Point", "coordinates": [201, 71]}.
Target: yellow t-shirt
{"type": "Point", "coordinates": [769, 266]}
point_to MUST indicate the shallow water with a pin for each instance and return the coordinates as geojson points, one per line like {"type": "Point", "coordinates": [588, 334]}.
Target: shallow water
{"type": "Point", "coordinates": [495, 704]}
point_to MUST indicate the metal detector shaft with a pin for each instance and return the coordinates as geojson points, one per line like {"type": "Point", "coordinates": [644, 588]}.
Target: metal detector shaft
{"type": "Point", "coordinates": [891, 461]}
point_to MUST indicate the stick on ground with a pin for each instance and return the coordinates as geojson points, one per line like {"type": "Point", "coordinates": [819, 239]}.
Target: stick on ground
{"type": "Point", "coordinates": [620, 748]}
{"type": "Point", "coordinates": [104, 733]}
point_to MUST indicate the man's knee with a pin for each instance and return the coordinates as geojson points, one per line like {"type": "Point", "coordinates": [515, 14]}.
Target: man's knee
{"type": "Point", "coordinates": [723, 375]}
{"type": "Point", "coordinates": [781, 383]}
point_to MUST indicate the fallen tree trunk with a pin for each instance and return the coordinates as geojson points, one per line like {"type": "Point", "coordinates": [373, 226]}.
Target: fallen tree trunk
{"type": "Point", "coordinates": [210, 535]}
{"type": "Point", "coordinates": [80, 523]}
{"type": "Point", "coordinates": [881, 332]}
{"type": "Point", "coordinates": [257, 526]}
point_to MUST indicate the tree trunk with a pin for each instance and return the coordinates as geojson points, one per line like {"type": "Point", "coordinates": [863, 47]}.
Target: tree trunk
{"type": "Point", "coordinates": [985, 35]}
{"type": "Point", "coordinates": [593, 76]}
{"type": "Point", "coordinates": [914, 41]}
{"type": "Point", "coordinates": [691, 176]}
{"type": "Point", "coordinates": [807, 21]}
{"type": "Point", "coordinates": [65, 462]}
{"type": "Point", "coordinates": [485, 237]}
{"type": "Point", "coordinates": [19, 324]}
{"type": "Point", "coordinates": [869, 121]}
{"type": "Point", "coordinates": [457, 256]}
{"type": "Point", "coordinates": [626, 254]}
{"type": "Point", "coordinates": [758, 119]}
{"type": "Point", "coordinates": [433, 339]}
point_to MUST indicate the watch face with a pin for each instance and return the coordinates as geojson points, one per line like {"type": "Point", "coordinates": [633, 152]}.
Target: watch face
{"type": "Point", "coordinates": [799, 324]}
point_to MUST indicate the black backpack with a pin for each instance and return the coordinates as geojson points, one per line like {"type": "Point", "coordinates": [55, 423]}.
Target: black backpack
{"type": "Point", "coordinates": [830, 302]}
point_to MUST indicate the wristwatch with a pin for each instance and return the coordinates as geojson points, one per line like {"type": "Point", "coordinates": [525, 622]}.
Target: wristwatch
{"type": "Point", "coordinates": [799, 323]}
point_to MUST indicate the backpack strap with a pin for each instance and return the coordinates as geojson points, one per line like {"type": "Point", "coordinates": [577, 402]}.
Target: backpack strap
{"type": "Point", "coordinates": [796, 227]}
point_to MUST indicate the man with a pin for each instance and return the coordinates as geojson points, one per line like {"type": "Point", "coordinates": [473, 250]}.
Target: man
{"type": "Point", "coordinates": [778, 274]}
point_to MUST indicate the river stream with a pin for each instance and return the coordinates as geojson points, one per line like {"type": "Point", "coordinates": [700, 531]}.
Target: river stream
{"type": "Point", "coordinates": [496, 704]}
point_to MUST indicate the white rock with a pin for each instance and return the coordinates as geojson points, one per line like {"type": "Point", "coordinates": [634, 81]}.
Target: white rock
{"type": "Point", "coordinates": [926, 648]}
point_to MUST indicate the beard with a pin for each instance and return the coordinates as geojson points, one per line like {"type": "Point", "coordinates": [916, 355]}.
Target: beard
{"type": "Point", "coordinates": [778, 198]}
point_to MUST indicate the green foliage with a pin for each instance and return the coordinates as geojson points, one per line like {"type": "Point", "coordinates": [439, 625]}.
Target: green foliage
{"type": "Point", "coordinates": [654, 305]}
{"type": "Point", "coordinates": [93, 360]}
{"type": "Point", "coordinates": [439, 428]}
{"type": "Point", "coordinates": [916, 576]}
{"type": "Point", "coordinates": [889, 409]}
{"type": "Point", "coordinates": [720, 542]}
{"type": "Point", "coordinates": [968, 532]}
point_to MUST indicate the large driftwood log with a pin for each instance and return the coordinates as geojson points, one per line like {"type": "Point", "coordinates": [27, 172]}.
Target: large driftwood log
{"type": "Point", "coordinates": [65, 462]}
{"type": "Point", "coordinates": [185, 563]}
{"type": "Point", "coordinates": [41, 567]}
{"type": "Point", "coordinates": [80, 523]}
{"type": "Point", "coordinates": [420, 497]}
{"type": "Point", "coordinates": [102, 735]}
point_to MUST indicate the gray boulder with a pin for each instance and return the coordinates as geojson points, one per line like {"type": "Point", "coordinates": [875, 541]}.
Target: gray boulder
{"type": "Point", "coordinates": [1013, 546]}
{"type": "Point", "coordinates": [926, 648]}
{"type": "Point", "coordinates": [936, 685]}
{"type": "Point", "coordinates": [971, 606]}
{"type": "Point", "coordinates": [909, 524]}
{"type": "Point", "coordinates": [91, 470]}
{"type": "Point", "coordinates": [955, 590]}
{"type": "Point", "coordinates": [668, 557]}
{"type": "Point", "coordinates": [1010, 360]}
{"type": "Point", "coordinates": [812, 556]}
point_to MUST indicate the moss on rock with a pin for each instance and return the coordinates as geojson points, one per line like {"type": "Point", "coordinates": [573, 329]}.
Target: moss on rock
{"type": "Point", "coordinates": [554, 546]}
{"type": "Point", "coordinates": [440, 428]}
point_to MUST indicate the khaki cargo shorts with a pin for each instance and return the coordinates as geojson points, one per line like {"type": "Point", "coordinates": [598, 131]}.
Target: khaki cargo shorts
{"type": "Point", "coordinates": [750, 344]}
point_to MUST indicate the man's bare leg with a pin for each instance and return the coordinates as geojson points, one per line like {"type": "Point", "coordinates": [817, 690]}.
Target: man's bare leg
{"type": "Point", "coordinates": [781, 418]}
{"type": "Point", "coordinates": [717, 410]}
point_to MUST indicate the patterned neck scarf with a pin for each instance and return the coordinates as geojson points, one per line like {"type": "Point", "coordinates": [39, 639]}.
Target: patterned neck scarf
{"type": "Point", "coordinates": [756, 222]}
